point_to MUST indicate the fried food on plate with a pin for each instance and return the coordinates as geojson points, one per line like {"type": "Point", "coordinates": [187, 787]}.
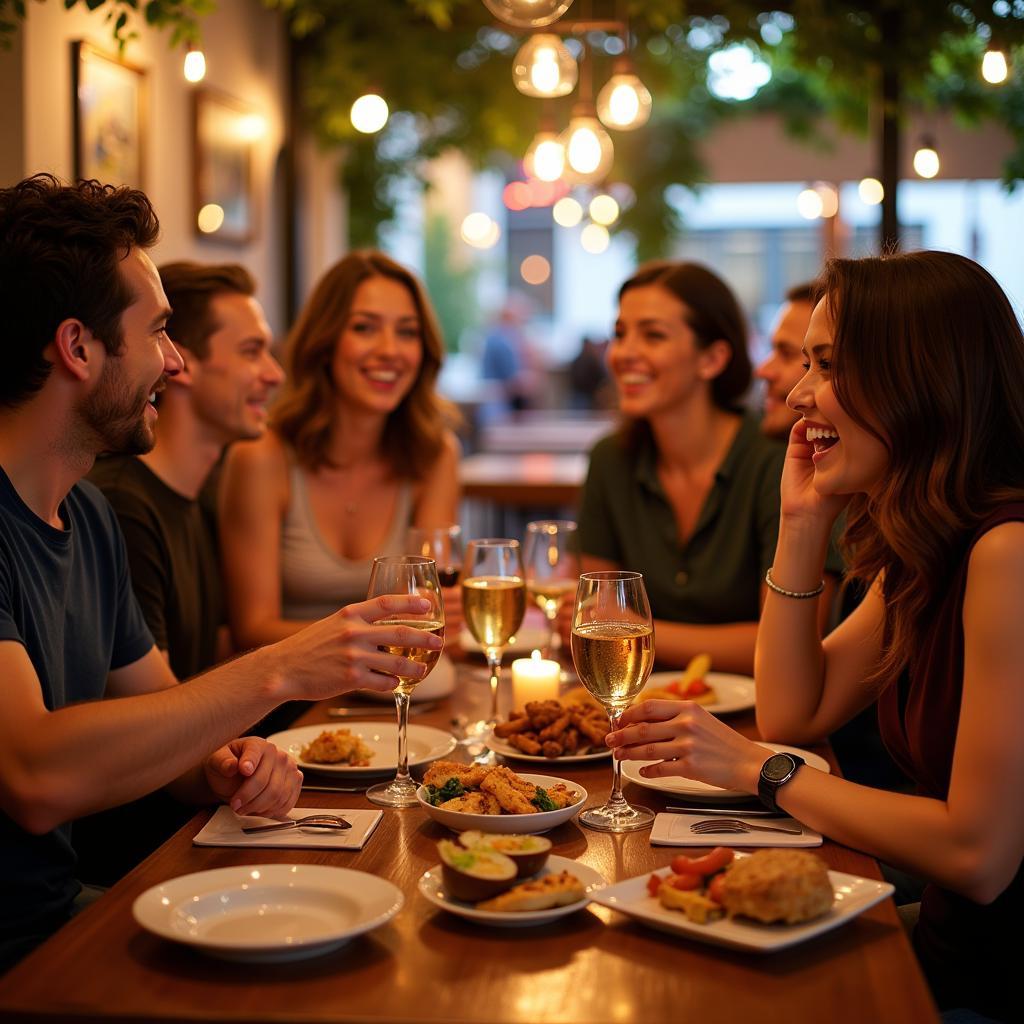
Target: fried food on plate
{"type": "Point", "coordinates": [553, 728]}
{"type": "Point", "coordinates": [513, 793]}
{"type": "Point", "coordinates": [441, 772]}
{"type": "Point", "coordinates": [778, 885]}
{"type": "Point", "coordinates": [539, 894]}
{"type": "Point", "coordinates": [475, 802]}
{"type": "Point", "coordinates": [494, 790]}
{"type": "Point", "coordinates": [337, 746]}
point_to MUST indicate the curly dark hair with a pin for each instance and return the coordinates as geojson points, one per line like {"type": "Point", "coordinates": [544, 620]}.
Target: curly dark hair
{"type": "Point", "coordinates": [60, 250]}
{"type": "Point", "coordinates": [190, 288]}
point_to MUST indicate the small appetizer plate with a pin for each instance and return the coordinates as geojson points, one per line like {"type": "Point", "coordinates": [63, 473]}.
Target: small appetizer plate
{"type": "Point", "coordinates": [430, 886]}
{"type": "Point", "coordinates": [734, 693]}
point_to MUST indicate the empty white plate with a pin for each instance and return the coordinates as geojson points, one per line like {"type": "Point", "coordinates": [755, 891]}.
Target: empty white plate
{"type": "Point", "coordinates": [265, 913]}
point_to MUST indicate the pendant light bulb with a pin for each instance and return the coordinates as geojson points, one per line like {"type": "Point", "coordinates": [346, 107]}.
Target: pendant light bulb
{"type": "Point", "coordinates": [994, 68]}
{"type": "Point", "coordinates": [544, 67]}
{"type": "Point", "coordinates": [528, 13]}
{"type": "Point", "coordinates": [588, 149]}
{"type": "Point", "coordinates": [624, 103]}
{"type": "Point", "coordinates": [926, 159]}
{"type": "Point", "coordinates": [195, 66]}
{"type": "Point", "coordinates": [545, 159]}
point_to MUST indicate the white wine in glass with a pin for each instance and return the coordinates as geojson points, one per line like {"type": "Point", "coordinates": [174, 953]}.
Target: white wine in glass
{"type": "Point", "coordinates": [552, 569]}
{"type": "Point", "coordinates": [493, 605]}
{"type": "Point", "coordinates": [613, 650]}
{"type": "Point", "coordinates": [406, 574]}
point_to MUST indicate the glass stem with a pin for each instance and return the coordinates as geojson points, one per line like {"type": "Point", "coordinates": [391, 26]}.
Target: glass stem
{"type": "Point", "coordinates": [402, 704]}
{"type": "Point", "coordinates": [494, 664]}
{"type": "Point", "coordinates": [552, 633]}
{"type": "Point", "coordinates": [615, 798]}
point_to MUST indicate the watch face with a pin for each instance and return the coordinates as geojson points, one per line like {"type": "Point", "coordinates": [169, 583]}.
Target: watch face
{"type": "Point", "coordinates": [777, 767]}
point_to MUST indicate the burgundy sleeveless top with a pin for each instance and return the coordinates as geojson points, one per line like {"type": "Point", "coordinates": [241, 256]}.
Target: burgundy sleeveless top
{"type": "Point", "coordinates": [956, 939]}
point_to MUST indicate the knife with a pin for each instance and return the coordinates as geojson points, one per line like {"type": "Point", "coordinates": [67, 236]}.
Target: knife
{"type": "Point", "coordinates": [728, 812]}
{"type": "Point", "coordinates": [336, 789]}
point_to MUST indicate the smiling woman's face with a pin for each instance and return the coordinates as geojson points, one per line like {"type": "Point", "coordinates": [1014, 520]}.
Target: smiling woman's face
{"type": "Point", "coordinates": [847, 458]}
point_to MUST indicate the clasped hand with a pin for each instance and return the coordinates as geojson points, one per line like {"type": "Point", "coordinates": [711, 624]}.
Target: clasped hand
{"type": "Point", "coordinates": [687, 741]}
{"type": "Point", "coordinates": [254, 777]}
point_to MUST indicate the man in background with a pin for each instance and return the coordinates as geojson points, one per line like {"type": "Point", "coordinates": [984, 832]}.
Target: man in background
{"type": "Point", "coordinates": [219, 397]}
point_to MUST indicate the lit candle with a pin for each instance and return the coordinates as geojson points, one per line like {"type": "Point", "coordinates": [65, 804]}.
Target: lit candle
{"type": "Point", "coordinates": [534, 678]}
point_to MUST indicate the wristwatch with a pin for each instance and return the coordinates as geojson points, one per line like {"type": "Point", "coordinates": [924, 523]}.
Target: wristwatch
{"type": "Point", "coordinates": [776, 772]}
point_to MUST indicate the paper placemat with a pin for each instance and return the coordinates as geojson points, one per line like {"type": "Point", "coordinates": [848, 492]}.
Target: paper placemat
{"type": "Point", "coordinates": [674, 830]}
{"type": "Point", "coordinates": [225, 829]}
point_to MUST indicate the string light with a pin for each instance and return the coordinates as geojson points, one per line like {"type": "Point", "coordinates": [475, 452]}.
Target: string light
{"type": "Point", "coordinates": [994, 68]}
{"type": "Point", "coordinates": [870, 191]}
{"type": "Point", "coordinates": [195, 66]}
{"type": "Point", "coordinates": [369, 113]}
{"type": "Point", "coordinates": [567, 212]}
{"type": "Point", "coordinates": [480, 231]}
{"type": "Point", "coordinates": [594, 239]}
{"type": "Point", "coordinates": [926, 159]}
{"type": "Point", "coordinates": [625, 102]}
{"type": "Point", "coordinates": [545, 159]}
{"type": "Point", "coordinates": [604, 209]}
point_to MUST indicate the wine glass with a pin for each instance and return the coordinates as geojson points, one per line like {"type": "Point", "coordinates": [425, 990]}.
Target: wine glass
{"type": "Point", "coordinates": [552, 559]}
{"type": "Point", "coordinates": [406, 574]}
{"type": "Point", "coordinates": [613, 650]}
{"type": "Point", "coordinates": [493, 605]}
{"type": "Point", "coordinates": [441, 543]}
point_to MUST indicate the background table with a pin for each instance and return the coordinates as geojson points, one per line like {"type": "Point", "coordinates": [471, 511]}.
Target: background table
{"type": "Point", "coordinates": [594, 967]}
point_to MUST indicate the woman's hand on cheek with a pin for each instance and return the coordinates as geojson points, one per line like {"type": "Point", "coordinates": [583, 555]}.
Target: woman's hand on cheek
{"type": "Point", "coordinates": [688, 742]}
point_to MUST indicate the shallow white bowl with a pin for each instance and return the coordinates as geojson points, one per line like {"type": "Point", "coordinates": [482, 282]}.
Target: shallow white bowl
{"type": "Point", "coordinates": [509, 824]}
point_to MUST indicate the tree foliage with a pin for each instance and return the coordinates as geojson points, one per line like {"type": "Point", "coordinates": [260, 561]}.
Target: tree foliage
{"type": "Point", "coordinates": [444, 67]}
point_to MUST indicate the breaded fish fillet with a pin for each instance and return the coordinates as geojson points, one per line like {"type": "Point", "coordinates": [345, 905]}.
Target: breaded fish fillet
{"type": "Point", "coordinates": [561, 795]}
{"type": "Point", "coordinates": [513, 793]}
{"type": "Point", "coordinates": [470, 775]}
{"type": "Point", "coordinates": [473, 803]}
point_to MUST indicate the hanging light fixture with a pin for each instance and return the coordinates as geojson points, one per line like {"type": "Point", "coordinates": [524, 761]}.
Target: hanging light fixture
{"type": "Point", "coordinates": [545, 159]}
{"type": "Point", "coordinates": [528, 13]}
{"type": "Point", "coordinates": [926, 159]}
{"type": "Point", "coordinates": [369, 113]}
{"type": "Point", "coordinates": [194, 68]}
{"type": "Point", "coordinates": [994, 68]}
{"type": "Point", "coordinates": [588, 147]}
{"type": "Point", "coordinates": [625, 102]}
{"type": "Point", "coordinates": [544, 67]}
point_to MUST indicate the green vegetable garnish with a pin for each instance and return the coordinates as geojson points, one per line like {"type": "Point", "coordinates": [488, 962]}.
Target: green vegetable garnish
{"type": "Point", "coordinates": [449, 791]}
{"type": "Point", "coordinates": [543, 802]}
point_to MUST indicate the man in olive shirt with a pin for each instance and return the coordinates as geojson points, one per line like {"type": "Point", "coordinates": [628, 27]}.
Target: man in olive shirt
{"type": "Point", "coordinates": [220, 397]}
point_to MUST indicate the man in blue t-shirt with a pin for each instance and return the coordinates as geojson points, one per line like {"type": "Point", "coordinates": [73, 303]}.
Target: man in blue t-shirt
{"type": "Point", "coordinates": [91, 715]}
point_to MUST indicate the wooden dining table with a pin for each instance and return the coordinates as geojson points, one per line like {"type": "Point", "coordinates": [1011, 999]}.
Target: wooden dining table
{"type": "Point", "coordinates": [425, 965]}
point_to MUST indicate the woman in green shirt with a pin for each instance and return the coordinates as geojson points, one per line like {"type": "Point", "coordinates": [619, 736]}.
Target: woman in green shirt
{"type": "Point", "coordinates": [687, 492]}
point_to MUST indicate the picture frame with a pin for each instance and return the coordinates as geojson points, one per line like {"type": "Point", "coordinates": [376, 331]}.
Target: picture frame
{"type": "Point", "coordinates": [109, 102]}
{"type": "Point", "coordinates": [226, 131]}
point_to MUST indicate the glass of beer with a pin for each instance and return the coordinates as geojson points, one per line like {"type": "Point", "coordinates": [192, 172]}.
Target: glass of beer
{"type": "Point", "coordinates": [613, 650]}
{"type": "Point", "coordinates": [406, 574]}
{"type": "Point", "coordinates": [493, 604]}
{"type": "Point", "coordinates": [552, 569]}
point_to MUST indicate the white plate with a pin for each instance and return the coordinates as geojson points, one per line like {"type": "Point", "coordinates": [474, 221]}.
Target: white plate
{"type": "Point", "coordinates": [500, 746]}
{"type": "Point", "coordinates": [263, 913]}
{"type": "Point", "coordinates": [508, 824]}
{"type": "Point", "coordinates": [735, 693]}
{"type": "Point", "coordinates": [431, 886]}
{"type": "Point", "coordinates": [678, 786]}
{"type": "Point", "coordinates": [440, 683]}
{"type": "Point", "coordinates": [425, 744]}
{"type": "Point", "coordinates": [529, 638]}
{"type": "Point", "coordinates": [853, 896]}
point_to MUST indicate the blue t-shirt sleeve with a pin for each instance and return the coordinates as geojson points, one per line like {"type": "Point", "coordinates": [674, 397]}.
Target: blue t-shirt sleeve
{"type": "Point", "coordinates": [132, 638]}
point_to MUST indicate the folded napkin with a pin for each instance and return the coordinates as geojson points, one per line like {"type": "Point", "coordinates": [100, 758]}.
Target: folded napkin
{"type": "Point", "coordinates": [674, 830]}
{"type": "Point", "coordinates": [225, 829]}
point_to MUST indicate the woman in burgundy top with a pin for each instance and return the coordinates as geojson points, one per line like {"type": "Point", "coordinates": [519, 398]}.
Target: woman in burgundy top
{"type": "Point", "coordinates": [912, 418]}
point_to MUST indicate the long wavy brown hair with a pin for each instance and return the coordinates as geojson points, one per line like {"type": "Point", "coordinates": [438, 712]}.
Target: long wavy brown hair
{"type": "Point", "coordinates": [712, 313]}
{"type": "Point", "coordinates": [929, 344]}
{"type": "Point", "coordinates": [305, 411]}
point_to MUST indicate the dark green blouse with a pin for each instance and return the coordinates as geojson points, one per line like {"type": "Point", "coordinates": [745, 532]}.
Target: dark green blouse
{"type": "Point", "coordinates": [716, 576]}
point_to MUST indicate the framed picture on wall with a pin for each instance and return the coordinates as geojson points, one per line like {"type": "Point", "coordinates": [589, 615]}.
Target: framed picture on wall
{"type": "Point", "coordinates": [226, 133]}
{"type": "Point", "coordinates": [109, 117]}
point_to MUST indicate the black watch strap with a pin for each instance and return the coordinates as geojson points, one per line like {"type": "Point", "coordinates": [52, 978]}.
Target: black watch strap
{"type": "Point", "coordinates": [775, 773]}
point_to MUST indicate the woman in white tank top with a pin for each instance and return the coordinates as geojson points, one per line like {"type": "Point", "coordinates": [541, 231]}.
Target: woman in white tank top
{"type": "Point", "coordinates": [358, 450]}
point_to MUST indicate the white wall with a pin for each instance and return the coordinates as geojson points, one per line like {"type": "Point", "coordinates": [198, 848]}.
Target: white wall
{"type": "Point", "coordinates": [246, 58]}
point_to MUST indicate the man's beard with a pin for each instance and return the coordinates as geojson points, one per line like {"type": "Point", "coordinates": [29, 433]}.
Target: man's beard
{"type": "Point", "coordinates": [116, 415]}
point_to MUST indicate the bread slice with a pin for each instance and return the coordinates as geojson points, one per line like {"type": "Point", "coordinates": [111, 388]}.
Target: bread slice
{"type": "Point", "coordinates": [539, 894]}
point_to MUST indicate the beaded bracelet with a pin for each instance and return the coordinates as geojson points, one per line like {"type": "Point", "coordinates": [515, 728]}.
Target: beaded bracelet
{"type": "Point", "coordinates": [799, 594]}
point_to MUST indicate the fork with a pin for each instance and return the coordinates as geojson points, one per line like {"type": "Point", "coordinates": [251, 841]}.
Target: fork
{"type": "Point", "coordinates": [328, 821]}
{"type": "Point", "coordinates": [709, 826]}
